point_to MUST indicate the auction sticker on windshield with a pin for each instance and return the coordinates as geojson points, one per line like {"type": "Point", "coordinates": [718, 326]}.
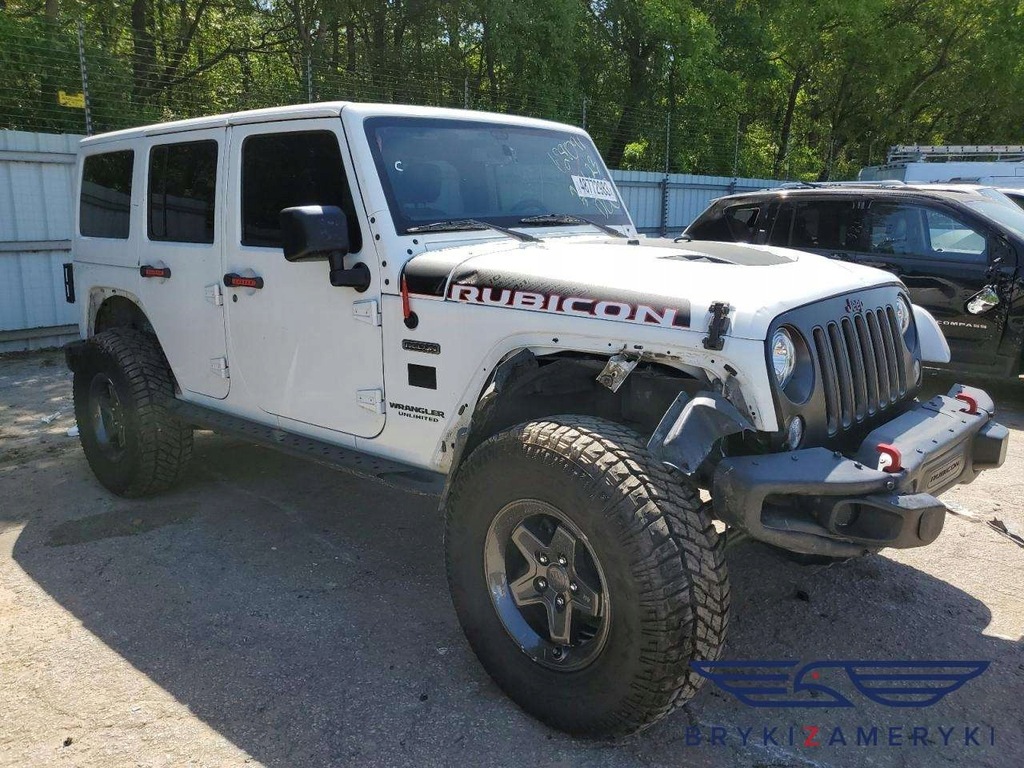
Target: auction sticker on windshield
{"type": "Point", "coordinates": [599, 189]}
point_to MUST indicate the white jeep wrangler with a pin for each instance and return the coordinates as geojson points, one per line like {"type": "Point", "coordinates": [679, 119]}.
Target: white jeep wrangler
{"type": "Point", "coordinates": [458, 303]}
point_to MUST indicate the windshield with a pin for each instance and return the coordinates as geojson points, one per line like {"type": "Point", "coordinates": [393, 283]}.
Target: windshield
{"type": "Point", "coordinates": [437, 170]}
{"type": "Point", "coordinates": [1010, 216]}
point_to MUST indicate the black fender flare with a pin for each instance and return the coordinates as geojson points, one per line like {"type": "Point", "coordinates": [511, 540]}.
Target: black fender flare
{"type": "Point", "coordinates": [691, 427]}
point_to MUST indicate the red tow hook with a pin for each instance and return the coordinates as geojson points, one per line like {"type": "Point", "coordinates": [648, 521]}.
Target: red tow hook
{"type": "Point", "coordinates": [972, 403]}
{"type": "Point", "coordinates": [889, 459]}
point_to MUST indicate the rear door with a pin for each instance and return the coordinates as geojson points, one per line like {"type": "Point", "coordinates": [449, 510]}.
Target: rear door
{"type": "Point", "coordinates": [180, 256]}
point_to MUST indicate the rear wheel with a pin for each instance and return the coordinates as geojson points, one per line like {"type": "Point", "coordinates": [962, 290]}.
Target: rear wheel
{"type": "Point", "coordinates": [122, 385]}
{"type": "Point", "coordinates": [585, 575]}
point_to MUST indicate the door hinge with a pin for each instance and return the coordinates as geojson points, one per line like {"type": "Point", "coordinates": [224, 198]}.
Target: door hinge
{"type": "Point", "coordinates": [215, 295]}
{"type": "Point", "coordinates": [371, 399]}
{"type": "Point", "coordinates": [367, 312]}
{"type": "Point", "coordinates": [219, 365]}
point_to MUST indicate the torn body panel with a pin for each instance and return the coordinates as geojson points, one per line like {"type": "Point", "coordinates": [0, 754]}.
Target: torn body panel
{"type": "Point", "coordinates": [691, 428]}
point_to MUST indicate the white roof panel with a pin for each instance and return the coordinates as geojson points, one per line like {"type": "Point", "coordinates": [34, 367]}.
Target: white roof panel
{"type": "Point", "coordinates": [323, 109]}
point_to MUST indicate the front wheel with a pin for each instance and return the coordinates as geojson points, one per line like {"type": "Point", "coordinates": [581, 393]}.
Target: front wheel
{"type": "Point", "coordinates": [585, 576]}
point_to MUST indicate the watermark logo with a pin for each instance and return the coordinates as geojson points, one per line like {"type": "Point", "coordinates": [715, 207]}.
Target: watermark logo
{"type": "Point", "coordinates": [816, 684]}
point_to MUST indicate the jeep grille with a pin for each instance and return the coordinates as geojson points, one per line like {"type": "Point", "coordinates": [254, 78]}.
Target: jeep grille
{"type": "Point", "coordinates": [862, 371]}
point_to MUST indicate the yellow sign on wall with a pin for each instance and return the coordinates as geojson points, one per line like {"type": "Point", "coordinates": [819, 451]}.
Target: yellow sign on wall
{"type": "Point", "coordinates": [76, 100]}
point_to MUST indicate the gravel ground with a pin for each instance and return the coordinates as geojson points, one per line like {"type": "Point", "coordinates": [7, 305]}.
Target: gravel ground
{"type": "Point", "coordinates": [273, 612]}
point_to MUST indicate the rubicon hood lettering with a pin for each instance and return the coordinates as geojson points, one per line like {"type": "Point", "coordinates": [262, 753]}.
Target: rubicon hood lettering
{"type": "Point", "coordinates": [584, 306]}
{"type": "Point", "coordinates": [657, 283]}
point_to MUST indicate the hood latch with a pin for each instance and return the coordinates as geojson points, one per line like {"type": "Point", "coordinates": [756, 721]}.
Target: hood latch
{"type": "Point", "coordinates": [718, 326]}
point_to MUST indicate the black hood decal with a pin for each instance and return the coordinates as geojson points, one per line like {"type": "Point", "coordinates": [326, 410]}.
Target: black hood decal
{"type": "Point", "coordinates": [734, 254]}
{"type": "Point", "coordinates": [427, 273]}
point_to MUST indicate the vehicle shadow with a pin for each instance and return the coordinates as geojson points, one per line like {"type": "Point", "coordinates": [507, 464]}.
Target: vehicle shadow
{"type": "Point", "coordinates": [304, 615]}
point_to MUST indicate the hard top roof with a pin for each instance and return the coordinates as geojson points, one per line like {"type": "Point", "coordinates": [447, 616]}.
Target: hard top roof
{"type": "Point", "coordinates": [322, 109]}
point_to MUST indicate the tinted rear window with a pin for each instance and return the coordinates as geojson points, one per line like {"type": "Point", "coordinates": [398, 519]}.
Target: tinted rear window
{"type": "Point", "coordinates": [106, 196]}
{"type": "Point", "coordinates": [182, 191]}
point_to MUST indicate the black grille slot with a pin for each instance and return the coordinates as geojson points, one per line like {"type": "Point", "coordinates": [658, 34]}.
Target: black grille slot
{"type": "Point", "coordinates": [828, 380]}
{"type": "Point", "coordinates": [861, 361]}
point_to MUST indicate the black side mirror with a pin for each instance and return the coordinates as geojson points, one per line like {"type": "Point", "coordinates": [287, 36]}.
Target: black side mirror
{"type": "Point", "coordinates": [311, 232]}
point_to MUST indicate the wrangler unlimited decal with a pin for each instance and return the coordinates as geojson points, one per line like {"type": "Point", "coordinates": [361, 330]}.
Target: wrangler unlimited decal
{"type": "Point", "coordinates": [667, 317]}
{"type": "Point", "coordinates": [416, 412]}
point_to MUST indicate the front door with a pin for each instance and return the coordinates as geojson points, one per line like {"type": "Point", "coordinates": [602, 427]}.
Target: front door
{"type": "Point", "coordinates": [181, 256]}
{"type": "Point", "coordinates": [303, 350]}
{"type": "Point", "coordinates": [945, 262]}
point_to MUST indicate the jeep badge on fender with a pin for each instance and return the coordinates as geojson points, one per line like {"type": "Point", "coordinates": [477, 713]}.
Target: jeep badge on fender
{"type": "Point", "coordinates": [457, 303]}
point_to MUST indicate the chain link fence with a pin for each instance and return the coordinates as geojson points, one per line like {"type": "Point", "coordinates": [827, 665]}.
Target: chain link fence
{"type": "Point", "coordinates": [66, 79]}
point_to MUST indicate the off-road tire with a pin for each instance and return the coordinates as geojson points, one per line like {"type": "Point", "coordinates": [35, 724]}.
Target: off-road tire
{"type": "Point", "coordinates": [156, 446]}
{"type": "Point", "coordinates": [668, 588]}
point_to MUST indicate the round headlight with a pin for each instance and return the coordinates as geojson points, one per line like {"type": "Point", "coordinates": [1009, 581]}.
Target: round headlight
{"type": "Point", "coordinates": [783, 356]}
{"type": "Point", "coordinates": [903, 313]}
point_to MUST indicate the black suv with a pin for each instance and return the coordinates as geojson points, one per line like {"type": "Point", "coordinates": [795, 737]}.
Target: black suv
{"type": "Point", "coordinates": [959, 252]}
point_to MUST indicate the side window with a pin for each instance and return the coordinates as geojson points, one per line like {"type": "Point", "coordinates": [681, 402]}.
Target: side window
{"type": "Point", "coordinates": [896, 229]}
{"type": "Point", "coordinates": [182, 191]}
{"type": "Point", "coordinates": [827, 224]}
{"type": "Point", "coordinates": [281, 170]}
{"type": "Point", "coordinates": [950, 238]}
{"type": "Point", "coordinates": [741, 221]}
{"type": "Point", "coordinates": [106, 196]}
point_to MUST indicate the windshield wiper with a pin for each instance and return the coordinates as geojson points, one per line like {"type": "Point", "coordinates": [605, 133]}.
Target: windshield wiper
{"type": "Point", "coordinates": [465, 225]}
{"type": "Point", "coordinates": [556, 219]}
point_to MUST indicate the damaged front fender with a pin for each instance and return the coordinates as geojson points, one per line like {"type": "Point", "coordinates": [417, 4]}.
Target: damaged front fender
{"type": "Point", "coordinates": [691, 427]}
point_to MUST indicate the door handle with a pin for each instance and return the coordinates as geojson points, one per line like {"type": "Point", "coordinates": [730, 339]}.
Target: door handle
{"type": "Point", "coordinates": [983, 300]}
{"type": "Point", "coordinates": [147, 270]}
{"type": "Point", "coordinates": [232, 280]}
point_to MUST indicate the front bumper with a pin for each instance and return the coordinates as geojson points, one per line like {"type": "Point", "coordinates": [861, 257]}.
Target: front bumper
{"type": "Point", "coordinates": [818, 501]}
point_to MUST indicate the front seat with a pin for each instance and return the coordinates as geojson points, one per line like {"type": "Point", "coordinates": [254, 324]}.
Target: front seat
{"type": "Point", "coordinates": [416, 188]}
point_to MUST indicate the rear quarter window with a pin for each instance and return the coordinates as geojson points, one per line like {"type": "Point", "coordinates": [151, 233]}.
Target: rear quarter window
{"type": "Point", "coordinates": [711, 225]}
{"type": "Point", "coordinates": [105, 201]}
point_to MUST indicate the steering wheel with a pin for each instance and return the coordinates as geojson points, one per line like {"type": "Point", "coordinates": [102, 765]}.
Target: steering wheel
{"type": "Point", "coordinates": [529, 205]}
